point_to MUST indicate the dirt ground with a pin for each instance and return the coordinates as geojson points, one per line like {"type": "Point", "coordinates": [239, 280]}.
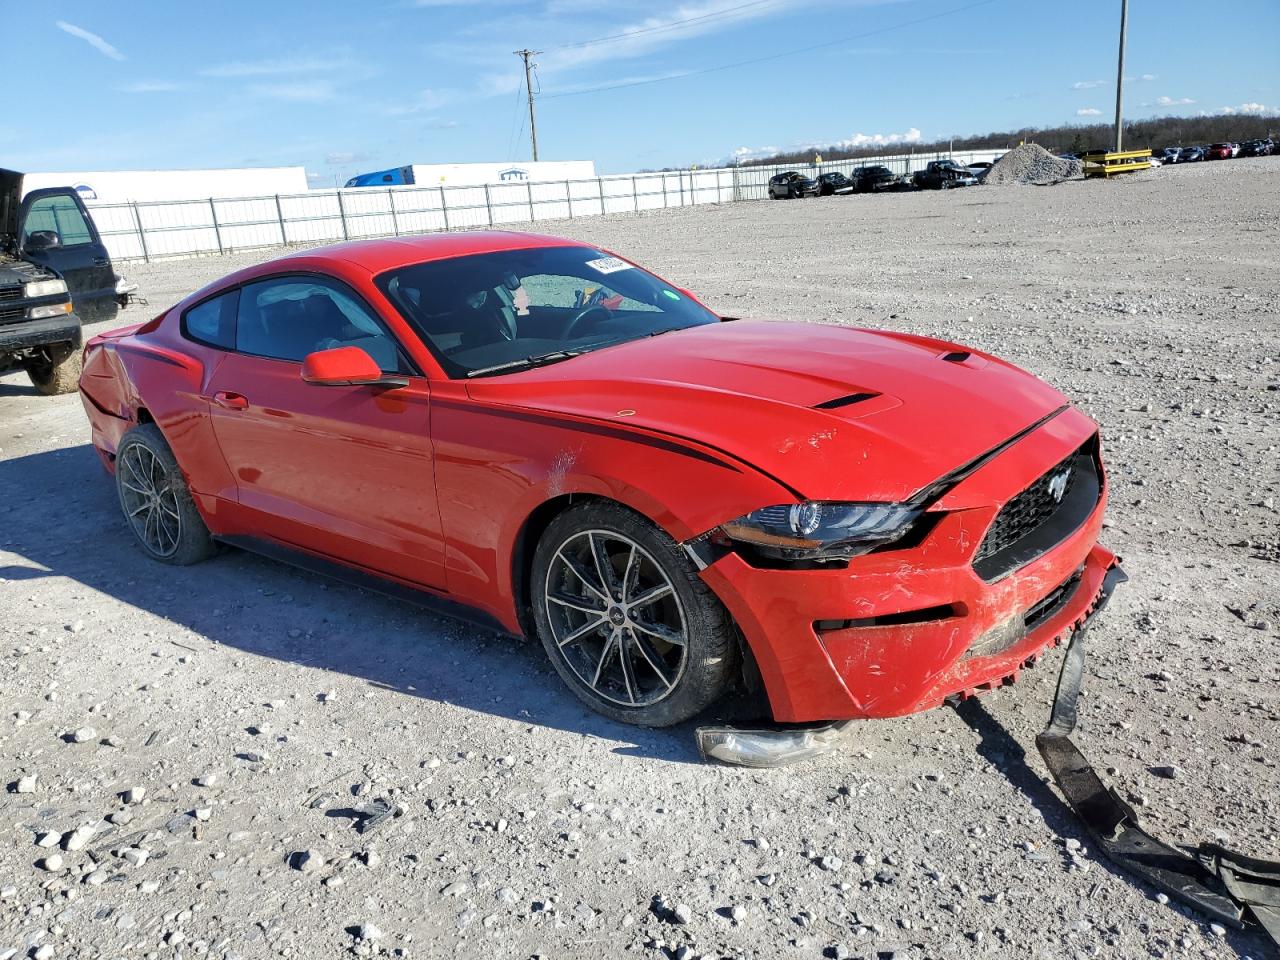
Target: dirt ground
{"type": "Point", "coordinates": [240, 692]}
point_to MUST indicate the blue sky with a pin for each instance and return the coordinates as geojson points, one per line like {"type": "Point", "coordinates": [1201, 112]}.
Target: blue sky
{"type": "Point", "coordinates": [356, 86]}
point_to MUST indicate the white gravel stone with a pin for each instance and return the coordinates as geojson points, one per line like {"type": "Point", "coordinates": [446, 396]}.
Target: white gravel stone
{"type": "Point", "coordinates": [27, 784]}
{"type": "Point", "coordinates": [52, 863]}
{"type": "Point", "coordinates": [84, 734]}
{"type": "Point", "coordinates": [134, 795]}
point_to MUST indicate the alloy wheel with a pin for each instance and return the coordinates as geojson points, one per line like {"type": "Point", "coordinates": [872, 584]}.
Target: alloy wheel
{"type": "Point", "coordinates": [616, 618]}
{"type": "Point", "coordinates": [150, 501]}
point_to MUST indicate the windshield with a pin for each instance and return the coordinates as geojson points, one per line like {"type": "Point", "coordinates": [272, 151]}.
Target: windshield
{"type": "Point", "coordinates": [494, 313]}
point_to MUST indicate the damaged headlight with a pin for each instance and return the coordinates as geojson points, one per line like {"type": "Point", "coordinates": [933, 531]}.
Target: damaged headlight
{"type": "Point", "coordinates": [816, 530]}
{"type": "Point", "coordinates": [43, 288]}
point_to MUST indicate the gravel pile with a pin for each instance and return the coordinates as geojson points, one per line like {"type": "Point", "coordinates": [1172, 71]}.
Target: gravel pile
{"type": "Point", "coordinates": [1032, 163]}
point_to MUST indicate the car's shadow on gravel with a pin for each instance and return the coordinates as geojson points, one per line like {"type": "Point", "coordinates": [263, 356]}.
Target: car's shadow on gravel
{"type": "Point", "coordinates": [60, 514]}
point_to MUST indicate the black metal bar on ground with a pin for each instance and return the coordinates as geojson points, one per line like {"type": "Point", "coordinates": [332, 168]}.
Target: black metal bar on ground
{"type": "Point", "coordinates": [1114, 826]}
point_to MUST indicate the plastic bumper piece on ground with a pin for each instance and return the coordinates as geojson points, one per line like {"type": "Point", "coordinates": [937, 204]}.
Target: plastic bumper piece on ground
{"type": "Point", "coordinates": [1221, 885]}
{"type": "Point", "coordinates": [768, 747]}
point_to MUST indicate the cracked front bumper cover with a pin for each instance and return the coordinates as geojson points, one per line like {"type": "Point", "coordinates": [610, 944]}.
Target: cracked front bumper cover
{"type": "Point", "coordinates": [1224, 886]}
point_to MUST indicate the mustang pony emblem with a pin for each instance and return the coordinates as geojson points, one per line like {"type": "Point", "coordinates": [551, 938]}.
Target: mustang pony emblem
{"type": "Point", "coordinates": [1058, 485]}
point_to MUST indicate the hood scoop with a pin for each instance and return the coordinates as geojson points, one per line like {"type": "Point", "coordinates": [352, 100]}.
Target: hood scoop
{"type": "Point", "coordinates": [844, 401]}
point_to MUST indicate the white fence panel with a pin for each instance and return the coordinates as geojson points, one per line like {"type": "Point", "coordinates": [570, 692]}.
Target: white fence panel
{"type": "Point", "coordinates": [189, 227]}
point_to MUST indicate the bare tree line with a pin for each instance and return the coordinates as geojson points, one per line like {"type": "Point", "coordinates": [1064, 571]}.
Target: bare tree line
{"type": "Point", "coordinates": [1156, 133]}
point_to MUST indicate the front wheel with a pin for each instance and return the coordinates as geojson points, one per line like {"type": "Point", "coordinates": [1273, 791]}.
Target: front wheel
{"type": "Point", "coordinates": [156, 502]}
{"type": "Point", "coordinates": [57, 371]}
{"type": "Point", "coordinates": [625, 619]}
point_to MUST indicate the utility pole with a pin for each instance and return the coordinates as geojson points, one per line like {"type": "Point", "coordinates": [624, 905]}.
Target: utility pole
{"type": "Point", "coordinates": [1124, 22]}
{"type": "Point", "coordinates": [528, 85]}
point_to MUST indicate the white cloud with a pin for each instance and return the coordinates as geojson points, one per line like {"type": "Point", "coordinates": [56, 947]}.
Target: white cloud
{"type": "Point", "coordinates": [314, 91]}
{"type": "Point", "coordinates": [742, 154]}
{"type": "Point", "coordinates": [95, 41]}
{"type": "Point", "coordinates": [1258, 109]}
{"type": "Point", "coordinates": [1088, 112]}
{"type": "Point", "coordinates": [268, 68]}
{"type": "Point", "coordinates": [1149, 76]}
{"type": "Point", "coordinates": [342, 158]}
{"type": "Point", "coordinates": [424, 101]}
{"type": "Point", "coordinates": [878, 139]}
{"type": "Point", "coordinates": [1173, 102]}
{"type": "Point", "coordinates": [1087, 84]}
{"type": "Point", "coordinates": [150, 86]}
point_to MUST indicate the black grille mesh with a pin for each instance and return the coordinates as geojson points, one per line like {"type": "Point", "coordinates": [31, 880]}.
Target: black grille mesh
{"type": "Point", "coordinates": [1027, 511]}
{"type": "Point", "coordinates": [10, 293]}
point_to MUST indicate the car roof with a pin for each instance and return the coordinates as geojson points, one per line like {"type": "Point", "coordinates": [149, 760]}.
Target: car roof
{"type": "Point", "coordinates": [389, 253]}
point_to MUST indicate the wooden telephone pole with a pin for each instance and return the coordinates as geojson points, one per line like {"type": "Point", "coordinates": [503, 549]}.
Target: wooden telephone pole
{"type": "Point", "coordinates": [1124, 23]}
{"type": "Point", "coordinates": [528, 85]}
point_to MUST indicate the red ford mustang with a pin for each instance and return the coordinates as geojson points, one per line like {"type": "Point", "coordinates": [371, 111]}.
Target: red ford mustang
{"type": "Point", "coordinates": [544, 437]}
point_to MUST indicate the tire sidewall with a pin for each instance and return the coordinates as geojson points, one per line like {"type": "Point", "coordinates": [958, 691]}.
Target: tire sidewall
{"type": "Point", "coordinates": [194, 542]}
{"type": "Point", "coordinates": [708, 657]}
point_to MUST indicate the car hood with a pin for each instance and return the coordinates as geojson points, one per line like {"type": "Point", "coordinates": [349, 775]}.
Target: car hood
{"type": "Point", "coordinates": [834, 413]}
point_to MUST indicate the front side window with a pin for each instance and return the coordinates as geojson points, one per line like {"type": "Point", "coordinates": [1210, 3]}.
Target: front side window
{"type": "Point", "coordinates": [496, 310]}
{"type": "Point", "coordinates": [286, 318]}
{"type": "Point", "coordinates": [56, 222]}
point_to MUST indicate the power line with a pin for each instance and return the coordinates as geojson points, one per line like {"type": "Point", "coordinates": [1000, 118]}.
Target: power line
{"type": "Point", "coordinates": [774, 56]}
{"type": "Point", "coordinates": [659, 28]}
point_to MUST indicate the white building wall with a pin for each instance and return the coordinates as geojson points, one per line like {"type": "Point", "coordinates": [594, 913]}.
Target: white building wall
{"type": "Point", "coordinates": [145, 186]}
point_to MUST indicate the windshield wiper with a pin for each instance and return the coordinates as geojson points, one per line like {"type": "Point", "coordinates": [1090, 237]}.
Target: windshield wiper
{"type": "Point", "coordinates": [522, 363]}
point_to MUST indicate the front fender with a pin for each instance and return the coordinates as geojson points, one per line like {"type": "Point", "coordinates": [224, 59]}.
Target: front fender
{"type": "Point", "coordinates": [497, 464]}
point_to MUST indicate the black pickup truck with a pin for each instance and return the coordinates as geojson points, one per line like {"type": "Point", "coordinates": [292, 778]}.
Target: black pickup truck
{"type": "Point", "coordinates": [54, 274]}
{"type": "Point", "coordinates": [943, 175]}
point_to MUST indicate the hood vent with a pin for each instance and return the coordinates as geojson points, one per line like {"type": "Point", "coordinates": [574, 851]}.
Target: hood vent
{"type": "Point", "coordinates": [844, 401]}
{"type": "Point", "coordinates": [957, 356]}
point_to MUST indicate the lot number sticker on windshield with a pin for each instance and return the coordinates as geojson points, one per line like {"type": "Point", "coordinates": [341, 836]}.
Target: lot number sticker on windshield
{"type": "Point", "coordinates": [608, 265]}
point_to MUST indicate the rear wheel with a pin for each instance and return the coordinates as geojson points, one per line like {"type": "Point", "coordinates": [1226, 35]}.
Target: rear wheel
{"type": "Point", "coordinates": [625, 619]}
{"type": "Point", "coordinates": [156, 502]}
{"type": "Point", "coordinates": [56, 371]}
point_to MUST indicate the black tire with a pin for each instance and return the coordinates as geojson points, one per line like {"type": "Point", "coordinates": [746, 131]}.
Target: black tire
{"type": "Point", "coordinates": [693, 674]}
{"type": "Point", "coordinates": [58, 372]}
{"type": "Point", "coordinates": [151, 486]}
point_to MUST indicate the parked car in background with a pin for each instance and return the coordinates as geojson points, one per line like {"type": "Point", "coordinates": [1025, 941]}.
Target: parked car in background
{"type": "Point", "coordinates": [943, 175]}
{"type": "Point", "coordinates": [1255, 148]}
{"type": "Point", "coordinates": [1218, 151]}
{"type": "Point", "coordinates": [1235, 148]}
{"type": "Point", "coordinates": [547, 439]}
{"type": "Point", "coordinates": [872, 179]}
{"type": "Point", "coordinates": [54, 274]}
{"type": "Point", "coordinates": [980, 168]}
{"type": "Point", "coordinates": [1191, 155]}
{"type": "Point", "coordinates": [1169, 155]}
{"type": "Point", "coordinates": [833, 183]}
{"type": "Point", "coordinates": [791, 186]}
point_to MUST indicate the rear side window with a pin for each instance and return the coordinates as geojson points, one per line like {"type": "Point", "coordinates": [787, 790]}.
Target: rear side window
{"type": "Point", "coordinates": [60, 221]}
{"type": "Point", "coordinates": [213, 322]}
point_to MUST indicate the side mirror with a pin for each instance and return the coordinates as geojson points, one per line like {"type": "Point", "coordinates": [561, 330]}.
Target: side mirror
{"type": "Point", "coordinates": [346, 367]}
{"type": "Point", "coordinates": [39, 240]}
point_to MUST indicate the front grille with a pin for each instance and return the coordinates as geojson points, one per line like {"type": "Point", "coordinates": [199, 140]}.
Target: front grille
{"type": "Point", "coordinates": [10, 314]}
{"type": "Point", "coordinates": [11, 293]}
{"type": "Point", "coordinates": [1041, 516]}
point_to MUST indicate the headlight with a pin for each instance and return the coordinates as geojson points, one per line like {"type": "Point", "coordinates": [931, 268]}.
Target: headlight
{"type": "Point", "coordinates": [49, 310]}
{"type": "Point", "coordinates": [821, 530]}
{"type": "Point", "coordinates": [43, 288]}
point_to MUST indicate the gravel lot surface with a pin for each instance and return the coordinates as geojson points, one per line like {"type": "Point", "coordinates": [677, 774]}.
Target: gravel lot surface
{"type": "Point", "coordinates": [250, 708]}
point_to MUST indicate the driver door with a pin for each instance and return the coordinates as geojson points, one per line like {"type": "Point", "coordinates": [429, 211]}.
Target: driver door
{"type": "Point", "coordinates": [57, 232]}
{"type": "Point", "coordinates": [342, 471]}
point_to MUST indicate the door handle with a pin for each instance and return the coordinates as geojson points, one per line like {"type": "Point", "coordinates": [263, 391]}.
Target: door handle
{"type": "Point", "coordinates": [231, 401]}
{"type": "Point", "coordinates": [101, 261]}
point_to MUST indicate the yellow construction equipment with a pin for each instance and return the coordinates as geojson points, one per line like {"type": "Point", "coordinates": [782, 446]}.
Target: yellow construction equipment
{"type": "Point", "coordinates": [1097, 163]}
